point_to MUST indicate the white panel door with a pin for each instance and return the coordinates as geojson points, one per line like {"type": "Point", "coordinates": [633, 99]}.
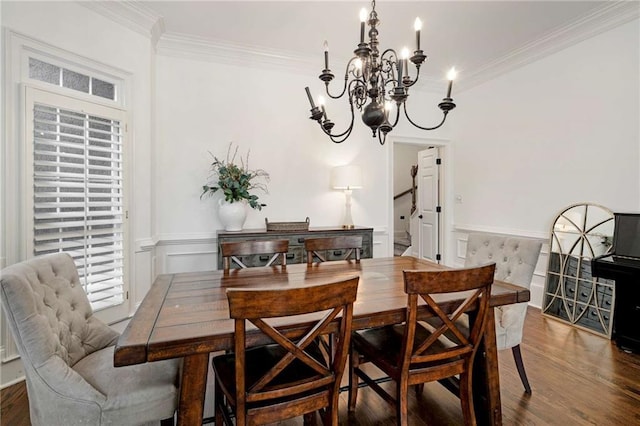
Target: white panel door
{"type": "Point", "coordinates": [428, 204]}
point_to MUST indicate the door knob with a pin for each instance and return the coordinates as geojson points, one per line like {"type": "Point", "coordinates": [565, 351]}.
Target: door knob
{"type": "Point", "coordinates": [419, 216]}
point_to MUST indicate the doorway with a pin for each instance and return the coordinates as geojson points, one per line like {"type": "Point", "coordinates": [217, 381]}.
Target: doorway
{"type": "Point", "coordinates": [419, 217]}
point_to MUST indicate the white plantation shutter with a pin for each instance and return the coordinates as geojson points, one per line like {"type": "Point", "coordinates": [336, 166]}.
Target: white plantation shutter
{"type": "Point", "coordinates": [78, 196]}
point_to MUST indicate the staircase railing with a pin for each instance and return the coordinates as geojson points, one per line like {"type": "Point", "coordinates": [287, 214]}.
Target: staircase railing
{"type": "Point", "coordinates": [403, 193]}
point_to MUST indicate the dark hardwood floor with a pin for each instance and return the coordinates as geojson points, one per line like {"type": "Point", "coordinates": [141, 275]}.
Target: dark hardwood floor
{"type": "Point", "coordinates": [578, 378]}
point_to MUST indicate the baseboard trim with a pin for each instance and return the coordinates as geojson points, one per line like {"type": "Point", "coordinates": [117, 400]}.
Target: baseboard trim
{"type": "Point", "coordinates": [12, 382]}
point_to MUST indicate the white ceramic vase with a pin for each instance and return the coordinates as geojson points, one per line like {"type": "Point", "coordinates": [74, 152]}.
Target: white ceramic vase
{"type": "Point", "coordinates": [232, 215]}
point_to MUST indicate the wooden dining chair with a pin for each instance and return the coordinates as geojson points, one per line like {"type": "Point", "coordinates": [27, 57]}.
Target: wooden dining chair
{"type": "Point", "coordinates": [292, 376]}
{"type": "Point", "coordinates": [231, 250]}
{"type": "Point", "coordinates": [414, 353]}
{"type": "Point", "coordinates": [343, 247]}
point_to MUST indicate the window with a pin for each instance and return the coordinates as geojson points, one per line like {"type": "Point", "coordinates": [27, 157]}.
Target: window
{"type": "Point", "coordinates": [48, 206]}
{"type": "Point", "coordinates": [76, 154]}
{"type": "Point", "coordinates": [63, 77]}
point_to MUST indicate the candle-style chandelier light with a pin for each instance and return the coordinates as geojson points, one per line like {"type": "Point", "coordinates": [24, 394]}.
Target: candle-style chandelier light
{"type": "Point", "coordinates": [374, 81]}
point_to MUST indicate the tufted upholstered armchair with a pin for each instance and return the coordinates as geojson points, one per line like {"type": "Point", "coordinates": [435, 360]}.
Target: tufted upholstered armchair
{"type": "Point", "coordinates": [515, 260]}
{"type": "Point", "coordinates": [68, 353]}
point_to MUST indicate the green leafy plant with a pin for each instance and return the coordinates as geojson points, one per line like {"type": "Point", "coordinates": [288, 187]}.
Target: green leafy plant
{"type": "Point", "coordinates": [236, 180]}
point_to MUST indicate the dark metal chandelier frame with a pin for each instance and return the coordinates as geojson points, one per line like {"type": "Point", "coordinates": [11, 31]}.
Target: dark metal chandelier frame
{"type": "Point", "coordinates": [378, 77]}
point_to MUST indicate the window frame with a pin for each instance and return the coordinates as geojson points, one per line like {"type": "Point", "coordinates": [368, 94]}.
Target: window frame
{"type": "Point", "coordinates": [15, 217]}
{"type": "Point", "coordinates": [39, 96]}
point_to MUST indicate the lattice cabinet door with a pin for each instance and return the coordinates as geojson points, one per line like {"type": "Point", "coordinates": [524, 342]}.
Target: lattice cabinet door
{"type": "Point", "coordinates": [579, 233]}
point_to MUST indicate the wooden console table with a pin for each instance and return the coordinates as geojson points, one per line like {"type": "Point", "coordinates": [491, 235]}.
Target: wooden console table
{"type": "Point", "coordinates": [296, 242]}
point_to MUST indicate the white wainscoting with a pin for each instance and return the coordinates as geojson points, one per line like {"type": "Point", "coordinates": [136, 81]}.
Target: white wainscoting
{"type": "Point", "coordinates": [461, 233]}
{"type": "Point", "coordinates": [8, 346]}
{"type": "Point", "coordinates": [11, 371]}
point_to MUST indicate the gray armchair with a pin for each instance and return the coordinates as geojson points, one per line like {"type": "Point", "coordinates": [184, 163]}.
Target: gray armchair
{"type": "Point", "coordinates": [515, 260]}
{"type": "Point", "coordinates": [68, 353]}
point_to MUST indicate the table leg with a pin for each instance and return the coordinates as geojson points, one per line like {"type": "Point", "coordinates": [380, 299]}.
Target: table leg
{"type": "Point", "coordinates": [486, 386]}
{"type": "Point", "coordinates": [192, 389]}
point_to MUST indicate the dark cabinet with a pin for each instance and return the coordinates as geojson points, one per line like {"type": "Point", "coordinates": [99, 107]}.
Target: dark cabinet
{"type": "Point", "coordinates": [296, 239]}
{"type": "Point", "coordinates": [626, 274]}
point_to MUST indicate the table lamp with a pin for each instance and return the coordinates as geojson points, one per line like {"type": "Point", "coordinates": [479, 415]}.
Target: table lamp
{"type": "Point", "coordinates": [346, 178]}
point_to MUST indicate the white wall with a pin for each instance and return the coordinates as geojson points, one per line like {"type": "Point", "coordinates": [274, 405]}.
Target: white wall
{"type": "Point", "coordinates": [203, 105]}
{"type": "Point", "coordinates": [559, 131]}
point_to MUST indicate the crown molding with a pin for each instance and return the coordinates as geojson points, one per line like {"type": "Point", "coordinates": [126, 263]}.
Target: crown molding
{"type": "Point", "coordinates": [204, 49]}
{"type": "Point", "coordinates": [137, 17]}
{"type": "Point", "coordinates": [131, 14]}
{"type": "Point", "coordinates": [599, 20]}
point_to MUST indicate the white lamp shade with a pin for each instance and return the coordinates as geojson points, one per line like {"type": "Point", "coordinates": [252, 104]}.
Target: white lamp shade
{"type": "Point", "coordinates": [346, 177]}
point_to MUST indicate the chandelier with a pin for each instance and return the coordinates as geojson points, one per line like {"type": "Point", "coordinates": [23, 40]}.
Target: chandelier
{"type": "Point", "coordinates": [373, 82]}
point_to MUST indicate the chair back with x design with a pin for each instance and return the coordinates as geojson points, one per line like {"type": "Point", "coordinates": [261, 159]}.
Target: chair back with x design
{"type": "Point", "coordinates": [232, 251]}
{"type": "Point", "coordinates": [343, 247]}
{"type": "Point", "coordinates": [462, 343]}
{"type": "Point", "coordinates": [293, 371]}
{"type": "Point", "coordinates": [432, 348]}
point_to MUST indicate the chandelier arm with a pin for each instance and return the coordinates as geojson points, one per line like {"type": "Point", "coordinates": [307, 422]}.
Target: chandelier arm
{"type": "Point", "coordinates": [340, 137]}
{"type": "Point", "coordinates": [382, 139]}
{"type": "Point", "coordinates": [344, 89]}
{"type": "Point", "coordinates": [389, 51]}
{"type": "Point", "coordinates": [444, 117]}
{"type": "Point", "coordinates": [334, 139]}
{"type": "Point", "coordinates": [346, 81]}
{"type": "Point", "coordinates": [384, 88]}
{"type": "Point", "coordinates": [416, 80]}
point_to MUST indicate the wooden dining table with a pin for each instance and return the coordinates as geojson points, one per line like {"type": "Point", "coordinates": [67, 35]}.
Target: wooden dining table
{"type": "Point", "coordinates": [186, 315]}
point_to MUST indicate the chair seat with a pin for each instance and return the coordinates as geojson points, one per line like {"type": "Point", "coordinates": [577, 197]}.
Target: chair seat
{"type": "Point", "coordinates": [134, 394]}
{"type": "Point", "coordinates": [385, 345]}
{"type": "Point", "coordinates": [260, 360]}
